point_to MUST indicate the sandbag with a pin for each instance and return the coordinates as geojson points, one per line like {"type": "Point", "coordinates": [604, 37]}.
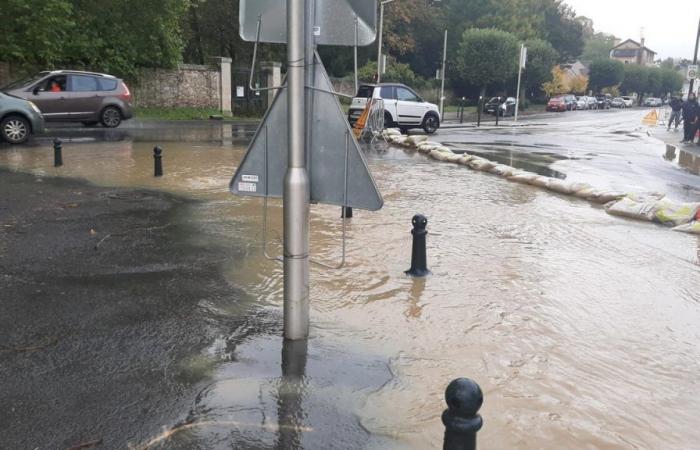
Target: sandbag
{"type": "Point", "coordinates": [453, 157]}
{"type": "Point", "coordinates": [539, 181]}
{"type": "Point", "coordinates": [691, 227]}
{"type": "Point", "coordinates": [481, 164]}
{"type": "Point", "coordinates": [464, 159]}
{"type": "Point", "coordinates": [425, 148]}
{"type": "Point", "coordinates": [502, 170]}
{"type": "Point", "coordinates": [392, 132]}
{"type": "Point", "coordinates": [675, 214]}
{"type": "Point", "coordinates": [560, 186]}
{"type": "Point", "coordinates": [602, 196]}
{"type": "Point", "coordinates": [416, 139]}
{"type": "Point", "coordinates": [626, 207]}
{"type": "Point", "coordinates": [442, 148]}
{"type": "Point", "coordinates": [522, 177]}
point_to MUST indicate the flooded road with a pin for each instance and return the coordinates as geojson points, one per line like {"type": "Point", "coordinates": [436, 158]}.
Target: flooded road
{"type": "Point", "coordinates": [580, 327]}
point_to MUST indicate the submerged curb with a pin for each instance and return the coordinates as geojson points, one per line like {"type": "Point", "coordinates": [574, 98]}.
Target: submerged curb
{"type": "Point", "coordinates": [650, 207]}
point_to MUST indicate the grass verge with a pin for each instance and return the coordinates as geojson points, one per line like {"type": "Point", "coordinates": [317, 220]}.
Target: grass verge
{"type": "Point", "coordinates": [185, 114]}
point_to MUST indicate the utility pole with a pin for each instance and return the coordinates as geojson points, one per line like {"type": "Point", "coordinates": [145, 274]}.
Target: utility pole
{"type": "Point", "coordinates": [521, 64]}
{"type": "Point", "coordinates": [357, 86]}
{"type": "Point", "coordinates": [296, 181]}
{"type": "Point", "coordinates": [379, 47]}
{"type": "Point", "coordinates": [442, 72]}
{"type": "Point", "coordinates": [695, 58]}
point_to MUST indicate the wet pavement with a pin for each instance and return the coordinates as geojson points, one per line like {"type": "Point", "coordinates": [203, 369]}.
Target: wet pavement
{"type": "Point", "coordinates": [580, 327]}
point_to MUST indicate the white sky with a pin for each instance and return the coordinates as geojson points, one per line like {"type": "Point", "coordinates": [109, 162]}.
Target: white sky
{"type": "Point", "coordinates": [670, 26]}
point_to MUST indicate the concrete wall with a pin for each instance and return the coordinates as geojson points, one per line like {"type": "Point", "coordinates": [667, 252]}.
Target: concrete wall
{"type": "Point", "coordinates": [187, 86]}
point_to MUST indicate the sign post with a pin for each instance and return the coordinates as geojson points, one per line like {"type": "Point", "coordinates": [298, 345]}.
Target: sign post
{"type": "Point", "coordinates": [442, 75]}
{"type": "Point", "coordinates": [521, 66]}
{"type": "Point", "coordinates": [296, 183]}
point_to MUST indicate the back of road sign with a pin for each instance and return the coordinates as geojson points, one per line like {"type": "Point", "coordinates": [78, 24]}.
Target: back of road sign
{"type": "Point", "coordinates": [333, 23]}
{"type": "Point", "coordinates": [337, 170]}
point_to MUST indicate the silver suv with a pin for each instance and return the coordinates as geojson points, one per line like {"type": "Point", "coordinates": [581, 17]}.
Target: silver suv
{"type": "Point", "coordinates": [73, 96]}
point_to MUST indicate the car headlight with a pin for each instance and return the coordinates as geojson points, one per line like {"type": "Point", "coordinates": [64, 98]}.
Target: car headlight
{"type": "Point", "coordinates": [34, 107]}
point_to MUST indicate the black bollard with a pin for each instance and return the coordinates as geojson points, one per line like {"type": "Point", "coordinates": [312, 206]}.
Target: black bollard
{"type": "Point", "coordinates": [498, 109]}
{"type": "Point", "coordinates": [157, 159]}
{"type": "Point", "coordinates": [479, 107]}
{"type": "Point", "coordinates": [346, 212]}
{"type": "Point", "coordinates": [464, 398]}
{"type": "Point", "coordinates": [419, 265]}
{"type": "Point", "coordinates": [57, 152]}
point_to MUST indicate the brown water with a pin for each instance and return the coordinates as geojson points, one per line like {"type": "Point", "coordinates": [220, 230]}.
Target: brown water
{"type": "Point", "coordinates": [581, 328]}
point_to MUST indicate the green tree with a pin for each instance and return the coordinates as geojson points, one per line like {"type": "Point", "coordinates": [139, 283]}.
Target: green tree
{"type": "Point", "coordinates": [559, 83]}
{"type": "Point", "coordinates": [34, 32]}
{"type": "Point", "coordinates": [605, 74]}
{"type": "Point", "coordinates": [486, 57]}
{"type": "Point", "coordinates": [541, 56]}
{"type": "Point", "coordinates": [635, 79]}
{"type": "Point", "coordinates": [598, 47]}
{"type": "Point", "coordinates": [671, 81]}
{"type": "Point", "coordinates": [654, 82]}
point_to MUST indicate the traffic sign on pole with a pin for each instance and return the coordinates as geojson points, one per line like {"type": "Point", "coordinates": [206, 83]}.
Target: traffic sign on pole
{"type": "Point", "coordinates": [692, 72]}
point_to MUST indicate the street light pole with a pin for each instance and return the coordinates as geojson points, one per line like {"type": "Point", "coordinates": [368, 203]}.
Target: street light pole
{"type": "Point", "coordinates": [442, 72]}
{"type": "Point", "coordinates": [695, 58]}
{"type": "Point", "coordinates": [296, 180]}
{"type": "Point", "coordinates": [381, 30]}
{"type": "Point", "coordinates": [520, 72]}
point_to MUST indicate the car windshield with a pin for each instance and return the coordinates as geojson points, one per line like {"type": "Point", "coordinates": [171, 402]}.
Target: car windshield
{"type": "Point", "coordinates": [365, 91]}
{"type": "Point", "coordinates": [24, 82]}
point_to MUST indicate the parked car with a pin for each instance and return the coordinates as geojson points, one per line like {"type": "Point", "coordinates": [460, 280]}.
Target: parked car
{"type": "Point", "coordinates": [504, 105]}
{"type": "Point", "coordinates": [570, 101]}
{"type": "Point", "coordinates": [556, 104]}
{"type": "Point", "coordinates": [603, 101]}
{"type": "Point", "coordinates": [403, 108]}
{"type": "Point", "coordinates": [653, 102]}
{"type": "Point", "coordinates": [73, 96]}
{"type": "Point", "coordinates": [618, 102]}
{"type": "Point", "coordinates": [19, 118]}
{"type": "Point", "coordinates": [591, 103]}
{"type": "Point", "coordinates": [629, 101]}
{"type": "Point", "coordinates": [581, 102]}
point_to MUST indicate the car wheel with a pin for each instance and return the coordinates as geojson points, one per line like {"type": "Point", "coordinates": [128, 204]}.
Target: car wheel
{"type": "Point", "coordinates": [111, 117]}
{"type": "Point", "coordinates": [403, 130]}
{"type": "Point", "coordinates": [388, 123]}
{"type": "Point", "coordinates": [90, 123]}
{"type": "Point", "coordinates": [15, 129]}
{"type": "Point", "coordinates": [431, 123]}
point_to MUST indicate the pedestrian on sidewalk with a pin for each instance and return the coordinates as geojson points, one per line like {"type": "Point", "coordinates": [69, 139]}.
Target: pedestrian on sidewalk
{"type": "Point", "coordinates": [676, 105]}
{"type": "Point", "coordinates": [691, 115]}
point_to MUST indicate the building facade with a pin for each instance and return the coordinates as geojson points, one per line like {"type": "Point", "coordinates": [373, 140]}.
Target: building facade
{"type": "Point", "coordinates": [632, 52]}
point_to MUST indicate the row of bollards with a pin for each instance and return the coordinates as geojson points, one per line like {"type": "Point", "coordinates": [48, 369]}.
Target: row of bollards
{"type": "Point", "coordinates": [157, 160]}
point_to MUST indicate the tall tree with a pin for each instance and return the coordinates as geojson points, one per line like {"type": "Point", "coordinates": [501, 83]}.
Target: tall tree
{"type": "Point", "coordinates": [598, 47]}
{"type": "Point", "coordinates": [605, 74]}
{"type": "Point", "coordinates": [541, 57]}
{"type": "Point", "coordinates": [635, 79]}
{"type": "Point", "coordinates": [486, 57]}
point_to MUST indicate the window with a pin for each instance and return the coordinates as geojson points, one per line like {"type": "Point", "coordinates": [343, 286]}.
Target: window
{"type": "Point", "coordinates": [406, 95]}
{"type": "Point", "coordinates": [388, 93]}
{"type": "Point", "coordinates": [82, 83]}
{"type": "Point", "coordinates": [365, 92]}
{"type": "Point", "coordinates": [107, 84]}
{"type": "Point", "coordinates": [55, 84]}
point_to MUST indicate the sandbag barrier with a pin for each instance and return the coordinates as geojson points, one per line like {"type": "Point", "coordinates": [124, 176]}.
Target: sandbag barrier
{"type": "Point", "coordinates": [650, 207]}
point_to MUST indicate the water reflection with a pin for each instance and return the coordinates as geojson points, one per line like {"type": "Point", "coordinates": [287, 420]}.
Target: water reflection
{"type": "Point", "coordinates": [291, 393]}
{"type": "Point", "coordinates": [687, 159]}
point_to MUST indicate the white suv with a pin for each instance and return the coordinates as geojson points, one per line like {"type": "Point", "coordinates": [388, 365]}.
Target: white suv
{"type": "Point", "coordinates": [403, 108]}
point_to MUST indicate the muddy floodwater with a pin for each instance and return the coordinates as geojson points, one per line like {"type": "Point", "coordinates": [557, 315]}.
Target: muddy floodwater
{"type": "Point", "coordinates": [581, 328]}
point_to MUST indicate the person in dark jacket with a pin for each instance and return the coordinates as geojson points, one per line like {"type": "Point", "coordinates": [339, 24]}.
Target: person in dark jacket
{"type": "Point", "coordinates": [691, 115]}
{"type": "Point", "coordinates": [676, 104]}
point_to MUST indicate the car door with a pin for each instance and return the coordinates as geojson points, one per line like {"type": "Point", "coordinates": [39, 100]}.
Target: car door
{"type": "Point", "coordinates": [410, 110]}
{"type": "Point", "coordinates": [49, 95]}
{"type": "Point", "coordinates": [388, 94]}
{"type": "Point", "coordinates": [83, 96]}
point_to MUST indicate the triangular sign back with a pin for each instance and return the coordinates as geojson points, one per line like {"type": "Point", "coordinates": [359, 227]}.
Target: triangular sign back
{"type": "Point", "coordinates": [337, 169]}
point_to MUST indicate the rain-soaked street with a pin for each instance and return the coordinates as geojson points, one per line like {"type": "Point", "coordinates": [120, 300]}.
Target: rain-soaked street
{"type": "Point", "coordinates": [580, 327]}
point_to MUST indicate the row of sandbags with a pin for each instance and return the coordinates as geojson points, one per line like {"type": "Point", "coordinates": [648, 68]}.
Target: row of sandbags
{"type": "Point", "coordinates": [650, 207]}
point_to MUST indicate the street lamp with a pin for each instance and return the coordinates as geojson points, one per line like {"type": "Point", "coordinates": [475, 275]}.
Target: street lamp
{"type": "Point", "coordinates": [379, 50]}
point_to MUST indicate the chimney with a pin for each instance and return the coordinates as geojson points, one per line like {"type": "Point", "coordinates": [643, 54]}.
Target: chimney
{"type": "Point", "coordinates": [640, 55]}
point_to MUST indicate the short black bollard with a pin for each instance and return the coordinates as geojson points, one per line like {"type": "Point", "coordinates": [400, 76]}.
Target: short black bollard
{"type": "Point", "coordinates": [346, 212]}
{"type": "Point", "coordinates": [157, 158]}
{"type": "Point", "coordinates": [498, 110]}
{"type": "Point", "coordinates": [464, 398]}
{"type": "Point", "coordinates": [419, 265]}
{"type": "Point", "coordinates": [57, 152]}
{"type": "Point", "coordinates": [479, 108]}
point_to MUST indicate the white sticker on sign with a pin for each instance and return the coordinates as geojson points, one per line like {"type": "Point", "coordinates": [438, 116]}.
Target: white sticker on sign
{"type": "Point", "coordinates": [250, 178]}
{"type": "Point", "coordinates": [317, 31]}
{"type": "Point", "coordinates": [247, 187]}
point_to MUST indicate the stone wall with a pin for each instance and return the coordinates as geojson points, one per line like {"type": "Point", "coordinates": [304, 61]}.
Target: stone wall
{"type": "Point", "coordinates": [186, 86]}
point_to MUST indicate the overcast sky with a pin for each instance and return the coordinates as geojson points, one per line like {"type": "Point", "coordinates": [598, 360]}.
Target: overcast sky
{"type": "Point", "coordinates": [670, 26]}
